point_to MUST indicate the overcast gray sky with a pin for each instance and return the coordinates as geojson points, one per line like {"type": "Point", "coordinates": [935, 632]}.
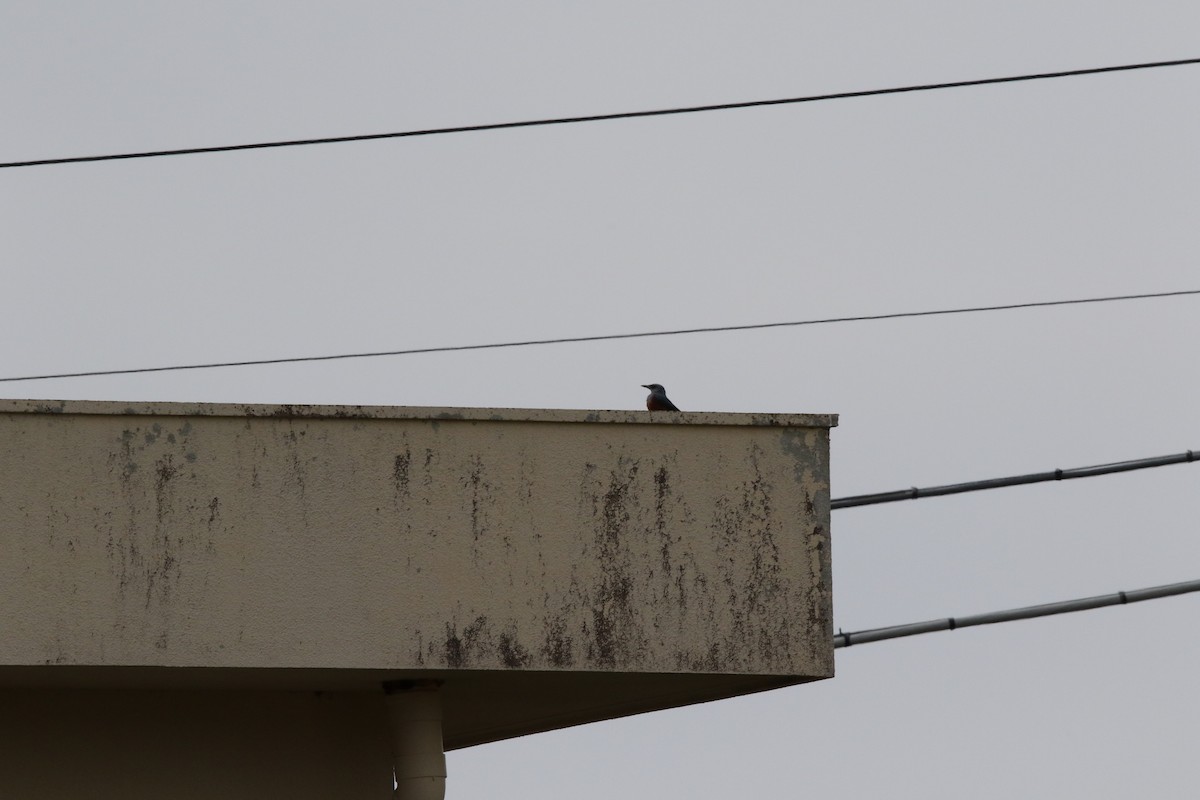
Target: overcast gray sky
{"type": "Point", "coordinates": [1068, 188]}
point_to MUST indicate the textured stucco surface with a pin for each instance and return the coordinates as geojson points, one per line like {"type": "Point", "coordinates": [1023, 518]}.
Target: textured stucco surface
{"type": "Point", "coordinates": [223, 536]}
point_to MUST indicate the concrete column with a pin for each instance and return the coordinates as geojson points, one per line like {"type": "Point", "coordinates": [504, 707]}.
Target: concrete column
{"type": "Point", "coordinates": [415, 714]}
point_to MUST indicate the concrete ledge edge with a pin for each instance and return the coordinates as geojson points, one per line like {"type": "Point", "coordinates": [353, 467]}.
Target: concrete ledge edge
{"type": "Point", "coordinates": [439, 414]}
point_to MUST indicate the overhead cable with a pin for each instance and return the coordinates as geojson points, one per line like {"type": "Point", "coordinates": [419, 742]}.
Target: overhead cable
{"type": "Point", "coordinates": [599, 338]}
{"type": "Point", "coordinates": [1014, 480]}
{"type": "Point", "coordinates": [602, 117]}
{"type": "Point", "coordinates": [1012, 614]}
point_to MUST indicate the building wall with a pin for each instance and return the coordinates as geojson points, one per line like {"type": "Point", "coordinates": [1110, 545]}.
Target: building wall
{"type": "Point", "coordinates": [208, 598]}
{"type": "Point", "coordinates": [132, 744]}
{"type": "Point", "coordinates": [181, 539]}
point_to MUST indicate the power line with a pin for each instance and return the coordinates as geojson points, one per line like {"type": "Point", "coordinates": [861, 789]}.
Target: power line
{"type": "Point", "coordinates": [602, 117]}
{"type": "Point", "coordinates": [1012, 614]}
{"type": "Point", "coordinates": [1015, 480]}
{"type": "Point", "coordinates": [600, 338]}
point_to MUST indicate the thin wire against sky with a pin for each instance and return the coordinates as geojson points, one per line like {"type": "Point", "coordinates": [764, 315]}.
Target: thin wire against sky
{"type": "Point", "coordinates": [916, 493]}
{"type": "Point", "coordinates": [1011, 615]}
{"type": "Point", "coordinates": [603, 337]}
{"type": "Point", "coordinates": [602, 117]}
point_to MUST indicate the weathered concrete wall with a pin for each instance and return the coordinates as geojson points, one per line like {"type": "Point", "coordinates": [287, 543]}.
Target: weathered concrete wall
{"type": "Point", "coordinates": [353, 538]}
{"type": "Point", "coordinates": [205, 601]}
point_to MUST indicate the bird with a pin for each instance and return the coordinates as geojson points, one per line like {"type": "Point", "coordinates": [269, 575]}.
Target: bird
{"type": "Point", "coordinates": [657, 399]}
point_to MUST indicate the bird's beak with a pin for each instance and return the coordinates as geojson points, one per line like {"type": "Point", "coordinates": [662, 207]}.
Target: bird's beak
{"type": "Point", "coordinates": [644, 385]}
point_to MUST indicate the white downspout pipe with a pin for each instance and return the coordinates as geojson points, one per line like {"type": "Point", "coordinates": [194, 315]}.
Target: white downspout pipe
{"type": "Point", "coordinates": [415, 713]}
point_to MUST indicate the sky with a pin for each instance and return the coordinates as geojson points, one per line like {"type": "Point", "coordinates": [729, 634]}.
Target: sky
{"type": "Point", "coordinates": [1056, 189]}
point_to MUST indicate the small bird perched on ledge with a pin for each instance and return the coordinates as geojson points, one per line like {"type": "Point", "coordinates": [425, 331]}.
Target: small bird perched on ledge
{"type": "Point", "coordinates": [657, 399]}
